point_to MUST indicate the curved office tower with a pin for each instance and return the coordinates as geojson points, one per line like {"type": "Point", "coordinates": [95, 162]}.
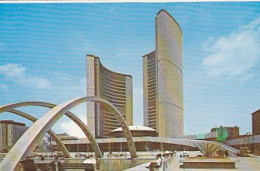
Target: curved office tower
{"type": "Point", "coordinates": [112, 86]}
{"type": "Point", "coordinates": [163, 79]}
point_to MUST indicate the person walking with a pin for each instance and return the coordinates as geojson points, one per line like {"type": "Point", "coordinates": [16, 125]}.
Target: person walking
{"type": "Point", "coordinates": [165, 161]}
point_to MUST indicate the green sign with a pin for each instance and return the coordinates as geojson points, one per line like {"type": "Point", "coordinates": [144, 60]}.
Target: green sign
{"type": "Point", "coordinates": [222, 134]}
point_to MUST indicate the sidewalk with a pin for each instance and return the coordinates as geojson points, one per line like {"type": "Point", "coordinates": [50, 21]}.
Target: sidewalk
{"type": "Point", "coordinates": [242, 164]}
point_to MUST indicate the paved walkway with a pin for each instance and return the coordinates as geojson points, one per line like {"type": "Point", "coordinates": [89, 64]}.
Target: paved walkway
{"type": "Point", "coordinates": [242, 164]}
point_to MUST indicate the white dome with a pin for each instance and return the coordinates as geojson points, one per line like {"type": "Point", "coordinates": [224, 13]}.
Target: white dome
{"type": "Point", "coordinates": [135, 128]}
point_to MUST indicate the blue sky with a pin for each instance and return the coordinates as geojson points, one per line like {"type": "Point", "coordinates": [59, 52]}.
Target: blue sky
{"type": "Point", "coordinates": [43, 49]}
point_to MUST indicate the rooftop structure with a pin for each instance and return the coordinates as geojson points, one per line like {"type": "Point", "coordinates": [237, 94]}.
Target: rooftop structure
{"type": "Point", "coordinates": [135, 128]}
{"type": "Point", "coordinates": [146, 143]}
{"type": "Point", "coordinates": [136, 131]}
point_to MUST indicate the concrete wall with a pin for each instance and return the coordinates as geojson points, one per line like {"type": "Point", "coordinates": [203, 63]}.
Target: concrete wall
{"type": "Point", "coordinates": [145, 91]}
{"type": "Point", "coordinates": [91, 92]}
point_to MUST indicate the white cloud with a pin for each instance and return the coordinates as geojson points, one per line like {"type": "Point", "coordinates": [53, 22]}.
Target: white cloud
{"type": "Point", "coordinates": [70, 127]}
{"type": "Point", "coordinates": [11, 70]}
{"type": "Point", "coordinates": [234, 54]}
{"type": "Point", "coordinates": [60, 76]}
{"type": "Point", "coordinates": [17, 73]}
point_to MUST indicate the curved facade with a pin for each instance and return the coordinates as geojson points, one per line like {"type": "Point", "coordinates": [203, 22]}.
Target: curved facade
{"type": "Point", "coordinates": [163, 79]}
{"type": "Point", "coordinates": [112, 86]}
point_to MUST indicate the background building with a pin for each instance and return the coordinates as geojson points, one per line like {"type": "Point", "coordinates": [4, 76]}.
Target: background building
{"type": "Point", "coordinates": [163, 79]}
{"type": "Point", "coordinates": [112, 86]}
{"type": "Point", "coordinates": [65, 136]}
{"type": "Point", "coordinates": [232, 132]}
{"type": "Point", "coordinates": [10, 132]}
{"type": "Point", "coordinates": [256, 123]}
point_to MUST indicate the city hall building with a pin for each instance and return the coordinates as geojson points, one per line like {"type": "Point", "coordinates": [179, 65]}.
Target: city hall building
{"type": "Point", "coordinates": [163, 79]}
{"type": "Point", "coordinates": [116, 88]}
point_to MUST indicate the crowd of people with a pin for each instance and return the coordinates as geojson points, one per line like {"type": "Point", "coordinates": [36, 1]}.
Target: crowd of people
{"type": "Point", "coordinates": [117, 155]}
{"type": "Point", "coordinates": [84, 155]}
{"type": "Point", "coordinates": [29, 163]}
{"type": "Point", "coordinates": [36, 155]}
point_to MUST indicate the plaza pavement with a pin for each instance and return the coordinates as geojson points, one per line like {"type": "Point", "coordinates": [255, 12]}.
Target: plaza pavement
{"type": "Point", "coordinates": [242, 164]}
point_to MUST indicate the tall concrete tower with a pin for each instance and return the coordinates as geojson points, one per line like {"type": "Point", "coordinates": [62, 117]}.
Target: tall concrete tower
{"type": "Point", "coordinates": [163, 79]}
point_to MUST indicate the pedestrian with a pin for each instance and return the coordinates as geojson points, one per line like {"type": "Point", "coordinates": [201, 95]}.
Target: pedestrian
{"type": "Point", "coordinates": [165, 161]}
{"type": "Point", "coordinates": [157, 163]}
{"type": "Point", "coordinates": [226, 153]}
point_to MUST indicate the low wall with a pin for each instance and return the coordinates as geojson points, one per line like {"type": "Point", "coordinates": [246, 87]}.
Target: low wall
{"type": "Point", "coordinates": [208, 163]}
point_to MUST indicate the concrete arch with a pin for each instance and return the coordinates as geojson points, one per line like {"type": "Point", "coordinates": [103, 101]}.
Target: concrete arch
{"type": "Point", "coordinates": [36, 132]}
{"type": "Point", "coordinates": [73, 117]}
{"type": "Point", "coordinates": [50, 132]}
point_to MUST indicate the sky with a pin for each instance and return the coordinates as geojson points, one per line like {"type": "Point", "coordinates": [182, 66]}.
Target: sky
{"type": "Point", "coordinates": [43, 50]}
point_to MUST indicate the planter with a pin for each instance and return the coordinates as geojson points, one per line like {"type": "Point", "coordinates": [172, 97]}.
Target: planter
{"type": "Point", "coordinates": [209, 163]}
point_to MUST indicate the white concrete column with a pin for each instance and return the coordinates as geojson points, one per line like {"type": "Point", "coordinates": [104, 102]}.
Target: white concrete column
{"type": "Point", "coordinates": [91, 92]}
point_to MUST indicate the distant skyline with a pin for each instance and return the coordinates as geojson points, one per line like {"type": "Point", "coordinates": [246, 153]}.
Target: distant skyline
{"type": "Point", "coordinates": [43, 49]}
